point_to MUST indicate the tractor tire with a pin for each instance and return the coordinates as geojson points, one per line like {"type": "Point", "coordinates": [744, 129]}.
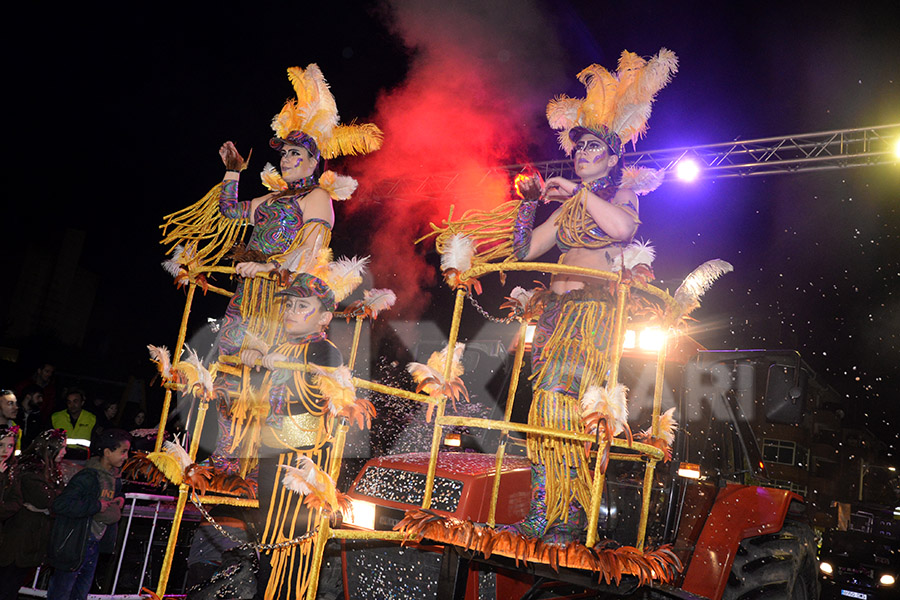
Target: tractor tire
{"type": "Point", "coordinates": [778, 566]}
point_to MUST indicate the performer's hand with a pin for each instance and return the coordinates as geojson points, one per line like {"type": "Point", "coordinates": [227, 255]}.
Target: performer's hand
{"type": "Point", "coordinates": [270, 359]}
{"type": "Point", "coordinates": [249, 356]}
{"type": "Point", "coordinates": [529, 188]}
{"type": "Point", "coordinates": [231, 158]}
{"type": "Point", "coordinates": [558, 189]}
{"type": "Point", "coordinates": [250, 269]}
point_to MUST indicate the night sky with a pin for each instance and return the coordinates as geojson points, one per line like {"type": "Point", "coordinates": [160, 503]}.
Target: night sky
{"type": "Point", "coordinates": [120, 114]}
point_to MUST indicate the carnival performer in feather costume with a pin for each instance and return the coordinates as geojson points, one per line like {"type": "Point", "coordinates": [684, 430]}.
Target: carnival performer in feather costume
{"type": "Point", "coordinates": [296, 215]}
{"type": "Point", "coordinates": [593, 226]}
{"type": "Point", "coordinates": [296, 486]}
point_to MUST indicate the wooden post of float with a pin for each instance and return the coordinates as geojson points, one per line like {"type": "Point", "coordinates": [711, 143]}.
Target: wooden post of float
{"type": "Point", "coordinates": [183, 490]}
{"type": "Point", "coordinates": [438, 429]}
{"type": "Point", "coordinates": [654, 432]}
{"type": "Point", "coordinates": [353, 349]}
{"type": "Point", "coordinates": [616, 342]}
{"type": "Point", "coordinates": [507, 415]}
{"type": "Point", "coordinates": [176, 353]}
{"type": "Point", "coordinates": [324, 525]}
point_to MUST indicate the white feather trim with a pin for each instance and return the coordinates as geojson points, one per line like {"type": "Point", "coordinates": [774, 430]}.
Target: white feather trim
{"type": "Point", "coordinates": [272, 179]}
{"type": "Point", "coordinates": [522, 296]}
{"type": "Point", "coordinates": [458, 252]}
{"type": "Point", "coordinates": [611, 405]}
{"type": "Point", "coordinates": [378, 300]}
{"type": "Point", "coordinates": [641, 180]}
{"type": "Point", "coordinates": [339, 187]}
{"type": "Point", "coordinates": [699, 281]}
{"type": "Point", "coordinates": [638, 253]}
{"type": "Point", "coordinates": [178, 453]}
{"type": "Point", "coordinates": [161, 355]}
{"type": "Point", "coordinates": [203, 375]}
{"type": "Point", "coordinates": [667, 426]}
{"type": "Point", "coordinates": [173, 265]}
{"type": "Point", "coordinates": [345, 274]}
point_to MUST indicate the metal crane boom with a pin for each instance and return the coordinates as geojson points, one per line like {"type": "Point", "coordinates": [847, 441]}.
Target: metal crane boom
{"type": "Point", "coordinates": [839, 149]}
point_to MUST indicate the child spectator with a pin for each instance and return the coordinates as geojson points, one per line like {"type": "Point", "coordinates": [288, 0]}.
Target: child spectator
{"type": "Point", "coordinates": [37, 482]}
{"type": "Point", "coordinates": [10, 501]}
{"type": "Point", "coordinates": [87, 514]}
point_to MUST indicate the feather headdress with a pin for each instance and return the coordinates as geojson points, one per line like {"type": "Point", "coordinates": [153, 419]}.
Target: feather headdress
{"type": "Point", "coordinates": [331, 282]}
{"type": "Point", "coordinates": [615, 104]}
{"type": "Point", "coordinates": [314, 113]}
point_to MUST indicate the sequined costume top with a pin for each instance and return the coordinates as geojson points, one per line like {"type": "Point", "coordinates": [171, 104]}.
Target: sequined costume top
{"type": "Point", "coordinates": [276, 222]}
{"type": "Point", "coordinates": [277, 229]}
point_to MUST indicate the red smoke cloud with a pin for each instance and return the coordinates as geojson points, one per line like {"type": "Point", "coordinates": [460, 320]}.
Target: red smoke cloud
{"type": "Point", "coordinates": [463, 109]}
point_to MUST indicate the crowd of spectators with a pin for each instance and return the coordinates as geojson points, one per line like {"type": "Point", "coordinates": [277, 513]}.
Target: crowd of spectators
{"type": "Point", "coordinates": [59, 464]}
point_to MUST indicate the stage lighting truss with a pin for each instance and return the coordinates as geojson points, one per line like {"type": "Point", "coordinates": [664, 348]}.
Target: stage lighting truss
{"type": "Point", "coordinates": [840, 149]}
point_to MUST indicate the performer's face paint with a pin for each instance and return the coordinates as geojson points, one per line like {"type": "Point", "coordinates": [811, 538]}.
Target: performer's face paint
{"type": "Point", "coordinates": [303, 316]}
{"type": "Point", "coordinates": [296, 163]}
{"type": "Point", "coordinates": [592, 158]}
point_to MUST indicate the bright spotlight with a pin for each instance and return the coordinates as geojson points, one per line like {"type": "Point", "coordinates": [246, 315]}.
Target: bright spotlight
{"type": "Point", "coordinates": [361, 514]}
{"type": "Point", "coordinates": [826, 567]}
{"type": "Point", "coordinates": [652, 339]}
{"type": "Point", "coordinates": [687, 170]}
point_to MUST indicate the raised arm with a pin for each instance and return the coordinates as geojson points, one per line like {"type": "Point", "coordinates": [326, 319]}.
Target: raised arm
{"type": "Point", "coordinates": [229, 206]}
{"type": "Point", "coordinates": [618, 217]}
{"type": "Point", "coordinates": [531, 242]}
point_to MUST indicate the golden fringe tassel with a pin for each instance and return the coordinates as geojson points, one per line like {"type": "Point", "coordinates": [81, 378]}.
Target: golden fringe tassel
{"type": "Point", "coordinates": [287, 518]}
{"type": "Point", "coordinates": [201, 223]}
{"type": "Point", "coordinates": [491, 232]}
{"type": "Point", "coordinates": [579, 344]}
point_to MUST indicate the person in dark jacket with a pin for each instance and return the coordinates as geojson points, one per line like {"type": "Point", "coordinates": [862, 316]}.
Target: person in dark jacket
{"type": "Point", "coordinates": [37, 481]}
{"type": "Point", "coordinates": [87, 514]}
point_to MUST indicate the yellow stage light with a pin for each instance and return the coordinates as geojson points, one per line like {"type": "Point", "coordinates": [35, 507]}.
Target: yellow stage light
{"type": "Point", "coordinates": [361, 514]}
